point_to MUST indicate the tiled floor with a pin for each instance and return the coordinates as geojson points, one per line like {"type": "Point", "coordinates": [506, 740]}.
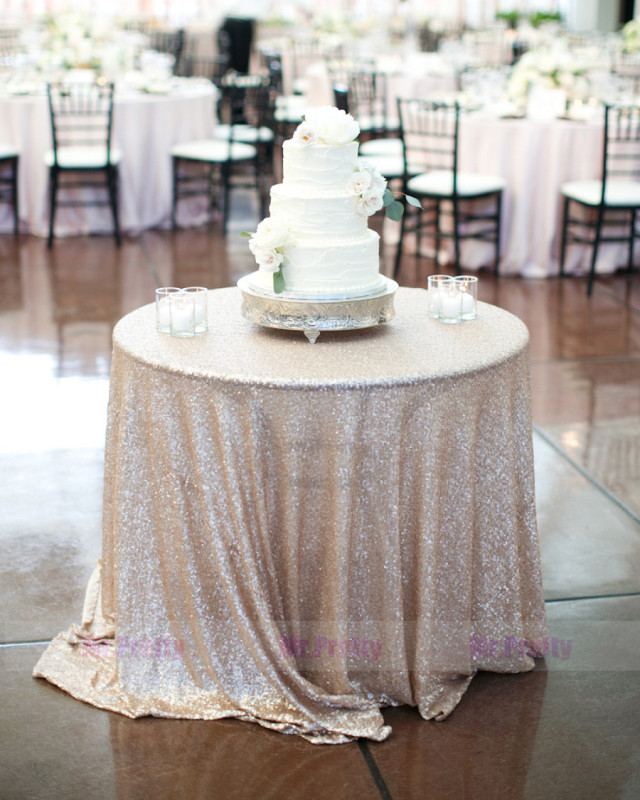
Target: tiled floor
{"type": "Point", "coordinates": [570, 729]}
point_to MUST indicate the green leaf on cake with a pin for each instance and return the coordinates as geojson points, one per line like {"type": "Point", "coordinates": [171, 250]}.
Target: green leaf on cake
{"type": "Point", "coordinates": [395, 210]}
{"type": "Point", "coordinates": [412, 201]}
{"type": "Point", "coordinates": [246, 234]}
{"type": "Point", "coordinates": [278, 282]}
{"type": "Point", "coordinates": [387, 198]}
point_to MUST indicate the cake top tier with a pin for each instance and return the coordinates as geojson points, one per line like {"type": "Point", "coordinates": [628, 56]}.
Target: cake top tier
{"type": "Point", "coordinates": [323, 152]}
{"type": "Point", "coordinates": [318, 168]}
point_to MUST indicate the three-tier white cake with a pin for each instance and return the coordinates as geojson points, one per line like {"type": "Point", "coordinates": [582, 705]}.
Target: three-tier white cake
{"type": "Point", "coordinates": [317, 240]}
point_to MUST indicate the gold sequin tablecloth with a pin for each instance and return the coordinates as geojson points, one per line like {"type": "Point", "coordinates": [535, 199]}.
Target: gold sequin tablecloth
{"type": "Point", "coordinates": [299, 534]}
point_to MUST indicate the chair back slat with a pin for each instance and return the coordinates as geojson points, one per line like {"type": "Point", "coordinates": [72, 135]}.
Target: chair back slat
{"type": "Point", "coordinates": [367, 97]}
{"type": "Point", "coordinates": [247, 100]}
{"type": "Point", "coordinates": [621, 143]}
{"type": "Point", "coordinates": [81, 115]}
{"type": "Point", "coordinates": [429, 133]}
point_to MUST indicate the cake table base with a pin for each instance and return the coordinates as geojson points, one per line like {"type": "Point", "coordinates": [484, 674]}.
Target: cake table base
{"type": "Point", "coordinates": [314, 314]}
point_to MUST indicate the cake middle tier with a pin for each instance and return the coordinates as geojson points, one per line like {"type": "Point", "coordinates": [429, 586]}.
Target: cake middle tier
{"type": "Point", "coordinates": [329, 216]}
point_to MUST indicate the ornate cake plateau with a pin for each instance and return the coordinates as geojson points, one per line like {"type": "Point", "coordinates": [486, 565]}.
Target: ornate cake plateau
{"type": "Point", "coordinates": [313, 314]}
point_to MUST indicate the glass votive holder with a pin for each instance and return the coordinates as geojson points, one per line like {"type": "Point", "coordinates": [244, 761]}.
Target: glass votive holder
{"type": "Point", "coordinates": [200, 295]}
{"type": "Point", "coordinates": [435, 284]}
{"type": "Point", "coordinates": [450, 303]}
{"type": "Point", "coordinates": [163, 308]}
{"type": "Point", "coordinates": [183, 317]}
{"type": "Point", "coordinates": [468, 288]}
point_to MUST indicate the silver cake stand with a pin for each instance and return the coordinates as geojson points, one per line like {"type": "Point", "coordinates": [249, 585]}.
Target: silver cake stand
{"type": "Point", "coordinates": [313, 314]}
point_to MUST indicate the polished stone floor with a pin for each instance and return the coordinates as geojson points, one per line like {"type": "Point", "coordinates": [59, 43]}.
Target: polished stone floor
{"type": "Point", "coordinates": [570, 729]}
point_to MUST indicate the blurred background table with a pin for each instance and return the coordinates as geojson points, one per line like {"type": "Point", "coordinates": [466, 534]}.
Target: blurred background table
{"type": "Point", "coordinates": [147, 121]}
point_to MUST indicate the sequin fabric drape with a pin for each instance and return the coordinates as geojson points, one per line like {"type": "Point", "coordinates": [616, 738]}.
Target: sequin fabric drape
{"type": "Point", "coordinates": [300, 534]}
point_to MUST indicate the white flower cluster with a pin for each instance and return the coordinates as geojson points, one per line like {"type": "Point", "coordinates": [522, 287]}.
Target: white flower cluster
{"type": "Point", "coordinates": [268, 242]}
{"type": "Point", "coordinates": [551, 70]}
{"type": "Point", "coordinates": [369, 186]}
{"type": "Point", "coordinates": [71, 41]}
{"type": "Point", "coordinates": [326, 125]}
{"type": "Point", "coordinates": [631, 36]}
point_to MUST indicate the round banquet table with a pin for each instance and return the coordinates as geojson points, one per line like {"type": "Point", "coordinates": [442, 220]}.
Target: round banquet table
{"type": "Point", "coordinates": [299, 534]}
{"type": "Point", "coordinates": [145, 126]}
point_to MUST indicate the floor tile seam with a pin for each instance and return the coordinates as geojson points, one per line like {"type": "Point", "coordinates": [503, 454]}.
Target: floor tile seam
{"type": "Point", "coordinates": [605, 290]}
{"type": "Point", "coordinates": [595, 483]}
{"type": "Point", "coordinates": [586, 597]}
{"type": "Point", "coordinates": [25, 644]}
{"type": "Point", "coordinates": [374, 770]}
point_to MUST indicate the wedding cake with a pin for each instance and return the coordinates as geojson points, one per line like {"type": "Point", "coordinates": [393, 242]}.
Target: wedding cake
{"type": "Point", "coordinates": [317, 240]}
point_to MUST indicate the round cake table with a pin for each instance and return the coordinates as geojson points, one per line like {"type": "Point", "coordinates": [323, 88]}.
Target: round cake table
{"type": "Point", "coordinates": [299, 535]}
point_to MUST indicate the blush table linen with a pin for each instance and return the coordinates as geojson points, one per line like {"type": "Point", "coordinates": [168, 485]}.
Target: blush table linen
{"type": "Point", "coordinates": [145, 126]}
{"type": "Point", "coordinates": [299, 535]}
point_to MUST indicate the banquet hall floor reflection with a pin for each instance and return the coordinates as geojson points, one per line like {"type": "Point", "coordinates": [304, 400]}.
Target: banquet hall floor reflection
{"type": "Point", "coordinates": [570, 729]}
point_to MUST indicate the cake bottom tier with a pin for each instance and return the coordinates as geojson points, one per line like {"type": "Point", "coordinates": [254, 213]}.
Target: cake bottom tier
{"type": "Point", "coordinates": [339, 268]}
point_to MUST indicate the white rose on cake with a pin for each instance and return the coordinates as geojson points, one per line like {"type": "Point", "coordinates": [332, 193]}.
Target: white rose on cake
{"type": "Point", "coordinates": [268, 242]}
{"type": "Point", "coordinates": [359, 182]}
{"type": "Point", "coordinates": [268, 260]}
{"type": "Point", "coordinates": [329, 125]}
{"type": "Point", "coordinates": [370, 203]}
{"type": "Point", "coordinates": [305, 135]}
{"type": "Point", "coordinates": [368, 185]}
{"type": "Point", "coordinates": [270, 234]}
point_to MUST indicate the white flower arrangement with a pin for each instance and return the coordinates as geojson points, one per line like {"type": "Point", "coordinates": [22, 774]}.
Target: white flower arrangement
{"type": "Point", "coordinates": [268, 242]}
{"type": "Point", "coordinates": [76, 41]}
{"type": "Point", "coordinates": [631, 36]}
{"type": "Point", "coordinates": [326, 125]}
{"type": "Point", "coordinates": [368, 185]}
{"type": "Point", "coordinates": [550, 70]}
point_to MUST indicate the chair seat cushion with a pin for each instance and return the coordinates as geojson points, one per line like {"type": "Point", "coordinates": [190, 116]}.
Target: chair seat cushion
{"type": "Point", "coordinates": [620, 194]}
{"type": "Point", "coordinates": [290, 108]}
{"type": "Point", "coordinates": [368, 122]}
{"type": "Point", "coordinates": [83, 157]}
{"type": "Point", "coordinates": [8, 151]}
{"type": "Point", "coordinates": [439, 183]}
{"type": "Point", "coordinates": [382, 147]}
{"type": "Point", "coordinates": [213, 150]}
{"type": "Point", "coordinates": [244, 133]}
{"type": "Point", "coordinates": [388, 166]}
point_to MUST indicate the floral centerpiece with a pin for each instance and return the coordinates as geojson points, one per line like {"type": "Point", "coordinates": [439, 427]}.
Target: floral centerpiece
{"type": "Point", "coordinates": [548, 69]}
{"type": "Point", "coordinates": [631, 36]}
{"type": "Point", "coordinates": [92, 42]}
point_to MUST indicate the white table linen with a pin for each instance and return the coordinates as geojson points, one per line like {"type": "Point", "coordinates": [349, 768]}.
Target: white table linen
{"type": "Point", "coordinates": [145, 126]}
{"type": "Point", "coordinates": [535, 159]}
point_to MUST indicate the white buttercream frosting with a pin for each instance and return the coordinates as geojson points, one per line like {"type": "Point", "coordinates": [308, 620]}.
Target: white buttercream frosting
{"type": "Point", "coordinates": [332, 216]}
{"type": "Point", "coordinates": [319, 167]}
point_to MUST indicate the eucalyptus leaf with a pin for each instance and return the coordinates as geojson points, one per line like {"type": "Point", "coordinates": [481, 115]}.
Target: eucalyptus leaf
{"type": "Point", "coordinates": [278, 282]}
{"type": "Point", "coordinates": [387, 198]}
{"type": "Point", "coordinates": [412, 201]}
{"type": "Point", "coordinates": [395, 210]}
